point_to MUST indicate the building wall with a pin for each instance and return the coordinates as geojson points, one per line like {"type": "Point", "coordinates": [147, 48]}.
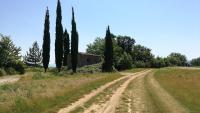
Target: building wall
{"type": "Point", "coordinates": [85, 59]}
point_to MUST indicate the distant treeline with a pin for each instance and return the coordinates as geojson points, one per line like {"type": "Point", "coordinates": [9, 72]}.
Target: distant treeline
{"type": "Point", "coordinates": [127, 54]}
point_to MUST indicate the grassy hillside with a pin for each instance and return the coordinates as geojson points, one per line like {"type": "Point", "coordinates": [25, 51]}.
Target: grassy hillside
{"type": "Point", "coordinates": [183, 84]}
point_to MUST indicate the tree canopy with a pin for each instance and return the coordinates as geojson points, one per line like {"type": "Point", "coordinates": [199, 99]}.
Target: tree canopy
{"type": "Point", "coordinates": [9, 52]}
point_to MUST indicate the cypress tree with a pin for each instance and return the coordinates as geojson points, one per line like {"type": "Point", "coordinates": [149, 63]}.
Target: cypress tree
{"type": "Point", "coordinates": [107, 66]}
{"type": "Point", "coordinates": [59, 38]}
{"type": "Point", "coordinates": [74, 44]}
{"type": "Point", "coordinates": [66, 47]}
{"type": "Point", "coordinates": [46, 42]}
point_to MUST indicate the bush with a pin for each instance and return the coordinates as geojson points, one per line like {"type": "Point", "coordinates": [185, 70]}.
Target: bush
{"type": "Point", "coordinates": [125, 62]}
{"type": "Point", "coordinates": [10, 71]}
{"type": "Point", "coordinates": [139, 64]}
{"type": "Point", "coordinates": [90, 68]}
{"type": "Point", "coordinates": [2, 72]}
{"type": "Point", "coordinates": [19, 67]}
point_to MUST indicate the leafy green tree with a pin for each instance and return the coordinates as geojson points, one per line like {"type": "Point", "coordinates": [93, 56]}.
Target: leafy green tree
{"type": "Point", "coordinates": [10, 57]}
{"type": "Point", "coordinates": [46, 42]}
{"type": "Point", "coordinates": [9, 52]}
{"type": "Point", "coordinates": [34, 56]}
{"type": "Point", "coordinates": [74, 44]}
{"type": "Point", "coordinates": [177, 59]}
{"type": "Point", "coordinates": [66, 47]}
{"type": "Point", "coordinates": [59, 38]}
{"type": "Point", "coordinates": [158, 62]}
{"type": "Point", "coordinates": [195, 62]}
{"type": "Point", "coordinates": [107, 65]}
{"type": "Point", "coordinates": [142, 56]}
{"type": "Point", "coordinates": [126, 43]}
{"type": "Point", "coordinates": [97, 47]}
{"type": "Point", "coordinates": [124, 62]}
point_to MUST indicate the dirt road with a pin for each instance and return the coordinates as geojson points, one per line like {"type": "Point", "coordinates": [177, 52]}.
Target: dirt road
{"type": "Point", "coordinates": [9, 79]}
{"type": "Point", "coordinates": [133, 93]}
{"type": "Point", "coordinates": [145, 95]}
{"type": "Point", "coordinates": [110, 105]}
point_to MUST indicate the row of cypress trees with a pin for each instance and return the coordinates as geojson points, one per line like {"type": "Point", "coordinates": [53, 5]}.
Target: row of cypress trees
{"type": "Point", "coordinates": [61, 42]}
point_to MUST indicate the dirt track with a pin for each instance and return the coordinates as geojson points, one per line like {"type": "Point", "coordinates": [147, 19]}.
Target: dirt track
{"type": "Point", "coordinates": [137, 97]}
{"type": "Point", "coordinates": [108, 106]}
{"type": "Point", "coordinates": [11, 79]}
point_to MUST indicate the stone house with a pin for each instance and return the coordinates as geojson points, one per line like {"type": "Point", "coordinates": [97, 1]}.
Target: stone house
{"type": "Point", "coordinates": [85, 59]}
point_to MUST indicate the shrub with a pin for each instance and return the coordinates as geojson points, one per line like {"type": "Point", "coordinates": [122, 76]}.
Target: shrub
{"type": "Point", "coordinates": [19, 67]}
{"type": "Point", "coordinates": [90, 68]}
{"type": "Point", "coordinates": [2, 72]}
{"type": "Point", "coordinates": [139, 64]}
{"type": "Point", "coordinates": [125, 62]}
{"type": "Point", "coordinates": [10, 71]}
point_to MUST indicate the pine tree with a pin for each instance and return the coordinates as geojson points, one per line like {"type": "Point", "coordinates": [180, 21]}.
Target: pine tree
{"type": "Point", "coordinates": [74, 44]}
{"type": "Point", "coordinates": [46, 42]}
{"type": "Point", "coordinates": [34, 56]}
{"type": "Point", "coordinates": [59, 38]}
{"type": "Point", "coordinates": [66, 47]}
{"type": "Point", "coordinates": [107, 66]}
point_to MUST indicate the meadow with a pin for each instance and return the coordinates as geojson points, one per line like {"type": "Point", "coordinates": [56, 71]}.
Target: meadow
{"type": "Point", "coordinates": [183, 84]}
{"type": "Point", "coordinates": [48, 92]}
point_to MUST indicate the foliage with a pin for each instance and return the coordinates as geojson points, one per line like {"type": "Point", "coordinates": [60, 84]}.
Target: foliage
{"type": "Point", "coordinates": [97, 47]}
{"type": "Point", "coordinates": [177, 59]}
{"type": "Point", "coordinates": [66, 47]}
{"type": "Point", "coordinates": [126, 43]}
{"type": "Point", "coordinates": [90, 69]}
{"type": "Point", "coordinates": [139, 64]}
{"type": "Point", "coordinates": [10, 59]}
{"type": "Point", "coordinates": [107, 65]}
{"type": "Point", "coordinates": [158, 62]}
{"type": "Point", "coordinates": [10, 71]}
{"type": "Point", "coordinates": [19, 67]}
{"type": "Point", "coordinates": [34, 56]}
{"type": "Point", "coordinates": [2, 72]}
{"type": "Point", "coordinates": [142, 56]}
{"type": "Point", "coordinates": [46, 42]}
{"type": "Point", "coordinates": [195, 62]}
{"type": "Point", "coordinates": [9, 52]}
{"type": "Point", "coordinates": [59, 38]}
{"type": "Point", "coordinates": [125, 62]}
{"type": "Point", "coordinates": [74, 44]}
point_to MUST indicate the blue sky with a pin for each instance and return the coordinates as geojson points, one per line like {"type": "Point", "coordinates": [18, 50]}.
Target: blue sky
{"type": "Point", "coordinates": [165, 26]}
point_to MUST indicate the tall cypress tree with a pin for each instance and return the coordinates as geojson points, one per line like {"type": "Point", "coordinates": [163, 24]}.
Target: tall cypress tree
{"type": "Point", "coordinates": [66, 47]}
{"type": "Point", "coordinates": [59, 38]}
{"type": "Point", "coordinates": [74, 44]}
{"type": "Point", "coordinates": [46, 42]}
{"type": "Point", "coordinates": [107, 66]}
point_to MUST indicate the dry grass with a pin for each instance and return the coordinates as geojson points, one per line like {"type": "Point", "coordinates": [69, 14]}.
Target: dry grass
{"type": "Point", "coordinates": [183, 84]}
{"type": "Point", "coordinates": [134, 70]}
{"type": "Point", "coordinates": [41, 92]}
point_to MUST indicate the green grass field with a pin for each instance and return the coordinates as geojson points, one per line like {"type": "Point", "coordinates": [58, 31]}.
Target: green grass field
{"type": "Point", "coordinates": [183, 85]}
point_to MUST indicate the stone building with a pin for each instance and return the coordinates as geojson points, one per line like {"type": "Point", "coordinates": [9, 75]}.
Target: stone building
{"type": "Point", "coordinates": [85, 59]}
